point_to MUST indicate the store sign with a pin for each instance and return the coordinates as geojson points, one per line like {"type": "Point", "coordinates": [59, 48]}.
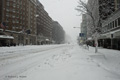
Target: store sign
{"type": "Point", "coordinates": [81, 34]}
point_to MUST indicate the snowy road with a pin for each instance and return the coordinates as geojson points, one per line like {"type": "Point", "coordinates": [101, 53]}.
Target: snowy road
{"type": "Point", "coordinates": [53, 62]}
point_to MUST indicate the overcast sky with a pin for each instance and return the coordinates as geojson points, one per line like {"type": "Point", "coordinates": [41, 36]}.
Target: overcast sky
{"type": "Point", "coordinates": [64, 12]}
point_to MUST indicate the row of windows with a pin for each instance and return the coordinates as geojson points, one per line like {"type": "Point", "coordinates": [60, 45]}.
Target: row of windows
{"type": "Point", "coordinates": [15, 21]}
{"type": "Point", "coordinates": [16, 1]}
{"type": "Point", "coordinates": [118, 3]}
{"type": "Point", "coordinates": [112, 25]}
{"type": "Point", "coordinates": [17, 16]}
{"type": "Point", "coordinates": [17, 27]}
{"type": "Point", "coordinates": [15, 11]}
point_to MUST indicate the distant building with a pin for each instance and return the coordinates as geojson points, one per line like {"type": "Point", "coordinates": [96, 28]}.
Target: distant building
{"type": "Point", "coordinates": [93, 6]}
{"type": "Point", "coordinates": [44, 25]}
{"type": "Point", "coordinates": [84, 27]}
{"type": "Point", "coordinates": [58, 33]}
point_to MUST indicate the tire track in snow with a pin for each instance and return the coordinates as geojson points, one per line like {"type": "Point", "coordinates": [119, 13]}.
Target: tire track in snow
{"type": "Point", "coordinates": [24, 68]}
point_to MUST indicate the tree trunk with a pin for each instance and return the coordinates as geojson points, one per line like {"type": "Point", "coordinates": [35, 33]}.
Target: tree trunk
{"type": "Point", "coordinates": [96, 42]}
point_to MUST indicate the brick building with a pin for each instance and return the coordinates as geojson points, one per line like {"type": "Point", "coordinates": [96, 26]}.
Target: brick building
{"type": "Point", "coordinates": [26, 22]}
{"type": "Point", "coordinates": [44, 25]}
{"type": "Point", "coordinates": [19, 17]}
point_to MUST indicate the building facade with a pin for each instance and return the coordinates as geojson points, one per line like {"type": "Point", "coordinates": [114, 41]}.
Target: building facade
{"type": "Point", "coordinates": [110, 37]}
{"type": "Point", "coordinates": [108, 12]}
{"type": "Point", "coordinates": [58, 33]}
{"type": "Point", "coordinates": [84, 28]}
{"type": "Point", "coordinates": [25, 24]}
{"type": "Point", "coordinates": [44, 25]}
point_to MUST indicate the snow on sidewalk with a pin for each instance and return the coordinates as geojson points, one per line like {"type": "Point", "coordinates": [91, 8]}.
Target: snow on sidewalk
{"type": "Point", "coordinates": [107, 58]}
{"type": "Point", "coordinates": [74, 63]}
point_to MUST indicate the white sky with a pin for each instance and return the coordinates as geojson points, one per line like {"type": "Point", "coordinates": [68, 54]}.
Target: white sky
{"type": "Point", "coordinates": [64, 12]}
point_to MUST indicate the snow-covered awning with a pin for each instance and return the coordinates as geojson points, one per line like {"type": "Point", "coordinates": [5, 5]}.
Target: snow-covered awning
{"type": "Point", "coordinates": [6, 37]}
{"type": "Point", "coordinates": [108, 35]}
{"type": "Point", "coordinates": [112, 32]}
{"type": "Point", "coordinates": [90, 38]}
{"type": "Point", "coordinates": [47, 40]}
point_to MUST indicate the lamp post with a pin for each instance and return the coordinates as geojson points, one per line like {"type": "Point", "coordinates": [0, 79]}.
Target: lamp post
{"type": "Point", "coordinates": [36, 29]}
{"type": "Point", "coordinates": [79, 36]}
{"type": "Point", "coordinates": [77, 27]}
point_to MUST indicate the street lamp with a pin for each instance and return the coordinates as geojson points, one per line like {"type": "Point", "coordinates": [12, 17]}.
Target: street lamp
{"type": "Point", "coordinates": [79, 33]}
{"type": "Point", "coordinates": [77, 27]}
{"type": "Point", "coordinates": [37, 15]}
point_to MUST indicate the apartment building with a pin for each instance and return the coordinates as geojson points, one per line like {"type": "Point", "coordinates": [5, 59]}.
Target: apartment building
{"type": "Point", "coordinates": [31, 38]}
{"type": "Point", "coordinates": [108, 12]}
{"type": "Point", "coordinates": [18, 17]}
{"type": "Point", "coordinates": [111, 30]}
{"type": "Point", "coordinates": [44, 25]}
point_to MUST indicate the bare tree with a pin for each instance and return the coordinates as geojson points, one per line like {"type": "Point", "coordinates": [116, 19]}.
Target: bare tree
{"type": "Point", "coordinates": [89, 9]}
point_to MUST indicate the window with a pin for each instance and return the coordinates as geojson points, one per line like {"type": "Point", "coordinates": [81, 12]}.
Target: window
{"type": "Point", "coordinates": [17, 21]}
{"type": "Point", "coordinates": [13, 21]}
{"type": "Point", "coordinates": [7, 10]}
{"type": "Point", "coordinates": [8, 4]}
{"type": "Point", "coordinates": [7, 15]}
{"type": "Point", "coordinates": [116, 21]}
{"type": "Point", "coordinates": [13, 16]}
{"type": "Point", "coordinates": [110, 25]}
{"type": "Point", "coordinates": [107, 26]}
{"type": "Point", "coordinates": [119, 21]}
{"type": "Point", "coordinates": [118, 4]}
{"type": "Point", "coordinates": [113, 24]}
{"type": "Point", "coordinates": [14, 5]}
{"type": "Point", "coordinates": [13, 0]}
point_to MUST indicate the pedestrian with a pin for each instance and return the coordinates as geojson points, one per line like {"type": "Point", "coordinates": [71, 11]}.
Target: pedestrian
{"type": "Point", "coordinates": [87, 43]}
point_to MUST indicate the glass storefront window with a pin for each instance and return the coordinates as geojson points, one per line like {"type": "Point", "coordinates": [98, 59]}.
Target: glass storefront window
{"type": "Point", "coordinates": [116, 23]}
{"type": "Point", "coordinates": [119, 21]}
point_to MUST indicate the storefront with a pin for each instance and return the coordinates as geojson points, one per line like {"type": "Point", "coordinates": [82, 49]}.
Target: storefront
{"type": "Point", "coordinates": [110, 40]}
{"type": "Point", "coordinates": [6, 40]}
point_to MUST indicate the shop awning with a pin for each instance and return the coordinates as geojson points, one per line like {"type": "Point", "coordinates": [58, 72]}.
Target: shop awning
{"type": "Point", "coordinates": [90, 38]}
{"type": "Point", "coordinates": [6, 37]}
{"type": "Point", "coordinates": [115, 33]}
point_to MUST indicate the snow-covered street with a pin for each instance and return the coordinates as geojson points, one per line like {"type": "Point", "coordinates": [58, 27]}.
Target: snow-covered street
{"type": "Point", "coordinates": [58, 62]}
